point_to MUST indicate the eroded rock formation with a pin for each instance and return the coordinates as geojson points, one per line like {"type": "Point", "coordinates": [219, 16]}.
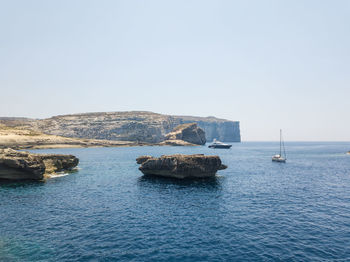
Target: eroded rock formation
{"type": "Point", "coordinates": [190, 133]}
{"type": "Point", "coordinates": [181, 166]}
{"type": "Point", "coordinates": [18, 165]}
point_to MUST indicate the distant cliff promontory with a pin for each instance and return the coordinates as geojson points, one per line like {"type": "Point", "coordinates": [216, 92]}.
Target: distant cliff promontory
{"type": "Point", "coordinates": [136, 126]}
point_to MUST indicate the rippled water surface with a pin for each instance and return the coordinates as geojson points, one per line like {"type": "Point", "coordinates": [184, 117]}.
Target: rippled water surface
{"type": "Point", "coordinates": [255, 210]}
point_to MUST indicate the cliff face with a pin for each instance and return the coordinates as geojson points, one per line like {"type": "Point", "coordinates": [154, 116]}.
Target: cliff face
{"type": "Point", "coordinates": [122, 126]}
{"type": "Point", "coordinates": [131, 126]}
{"type": "Point", "coordinates": [220, 129]}
{"type": "Point", "coordinates": [20, 137]}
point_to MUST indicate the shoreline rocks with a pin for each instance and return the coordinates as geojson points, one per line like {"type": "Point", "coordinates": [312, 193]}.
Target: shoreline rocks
{"type": "Point", "coordinates": [18, 165]}
{"type": "Point", "coordinates": [181, 166]}
{"type": "Point", "coordinates": [175, 143]}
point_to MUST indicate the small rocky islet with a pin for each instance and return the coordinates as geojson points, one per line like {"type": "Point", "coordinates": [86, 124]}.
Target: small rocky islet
{"type": "Point", "coordinates": [181, 166]}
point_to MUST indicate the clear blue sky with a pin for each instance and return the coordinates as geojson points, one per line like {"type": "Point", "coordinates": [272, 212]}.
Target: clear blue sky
{"type": "Point", "coordinates": [269, 64]}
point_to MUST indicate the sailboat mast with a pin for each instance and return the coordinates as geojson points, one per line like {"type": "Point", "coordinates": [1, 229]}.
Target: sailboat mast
{"type": "Point", "coordinates": [284, 149]}
{"type": "Point", "coordinates": [280, 142]}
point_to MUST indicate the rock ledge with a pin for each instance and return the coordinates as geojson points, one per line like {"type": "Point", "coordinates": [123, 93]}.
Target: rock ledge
{"type": "Point", "coordinates": [20, 165]}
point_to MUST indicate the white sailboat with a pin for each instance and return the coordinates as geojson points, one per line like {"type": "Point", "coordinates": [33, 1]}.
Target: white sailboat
{"type": "Point", "coordinates": [279, 157]}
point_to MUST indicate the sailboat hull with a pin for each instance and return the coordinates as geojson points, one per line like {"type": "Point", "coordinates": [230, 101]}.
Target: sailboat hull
{"type": "Point", "coordinates": [279, 159]}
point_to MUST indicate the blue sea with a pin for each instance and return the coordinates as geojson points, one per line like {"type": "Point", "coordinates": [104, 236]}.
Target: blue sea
{"type": "Point", "coordinates": [255, 210]}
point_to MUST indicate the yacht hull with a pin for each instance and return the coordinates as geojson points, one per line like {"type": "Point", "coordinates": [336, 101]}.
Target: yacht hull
{"type": "Point", "coordinates": [220, 146]}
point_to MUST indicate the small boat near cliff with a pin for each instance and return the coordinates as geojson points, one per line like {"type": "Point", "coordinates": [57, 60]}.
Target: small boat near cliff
{"type": "Point", "coordinates": [218, 144]}
{"type": "Point", "coordinates": [279, 157]}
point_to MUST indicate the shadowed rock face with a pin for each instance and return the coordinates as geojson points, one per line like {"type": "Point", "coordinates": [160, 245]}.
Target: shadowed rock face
{"type": "Point", "coordinates": [215, 128]}
{"type": "Point", "coordinates": [190, 133]}
{"type": "Point", "coordinates": [16, 165]}
{"type": "Point", "coordinates": [181, 166]}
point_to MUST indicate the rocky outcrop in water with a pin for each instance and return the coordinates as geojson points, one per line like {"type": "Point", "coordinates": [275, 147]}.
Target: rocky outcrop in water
{"type": "Point", "coordinates": [137, 126]}
{"type": "Point", "coordinates": [18, 165]}
{"type": "Point", "coordinates": [181, 166]}
{"type": "Point", "coordinates": [190, 133]}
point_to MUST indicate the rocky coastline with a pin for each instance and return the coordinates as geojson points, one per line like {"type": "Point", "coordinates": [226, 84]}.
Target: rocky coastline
{"type": "Point", "coordinates": [130, 126]}
{"type": "Point", "coordinates": [114, 129]}
{"type": "Point", "coordinates": [23, 138]}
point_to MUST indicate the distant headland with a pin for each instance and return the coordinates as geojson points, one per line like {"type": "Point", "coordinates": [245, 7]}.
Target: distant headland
{"type": "Point", "coordinates": [129, 128]}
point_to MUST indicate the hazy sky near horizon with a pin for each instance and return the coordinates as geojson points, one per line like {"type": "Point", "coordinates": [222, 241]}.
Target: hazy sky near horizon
{"type": "Point", "coordinates": [269, 64]}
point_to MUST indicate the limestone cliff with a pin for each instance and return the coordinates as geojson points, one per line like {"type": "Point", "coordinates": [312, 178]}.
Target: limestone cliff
{"type": "Point", "coordinates": [138, 126]}
{"type": "Point", "coordinates": [215, 128]}
{"type": "Point", "coordinates": [20, 137]}
{"type": "Point", "coordinates": [122, 126]}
